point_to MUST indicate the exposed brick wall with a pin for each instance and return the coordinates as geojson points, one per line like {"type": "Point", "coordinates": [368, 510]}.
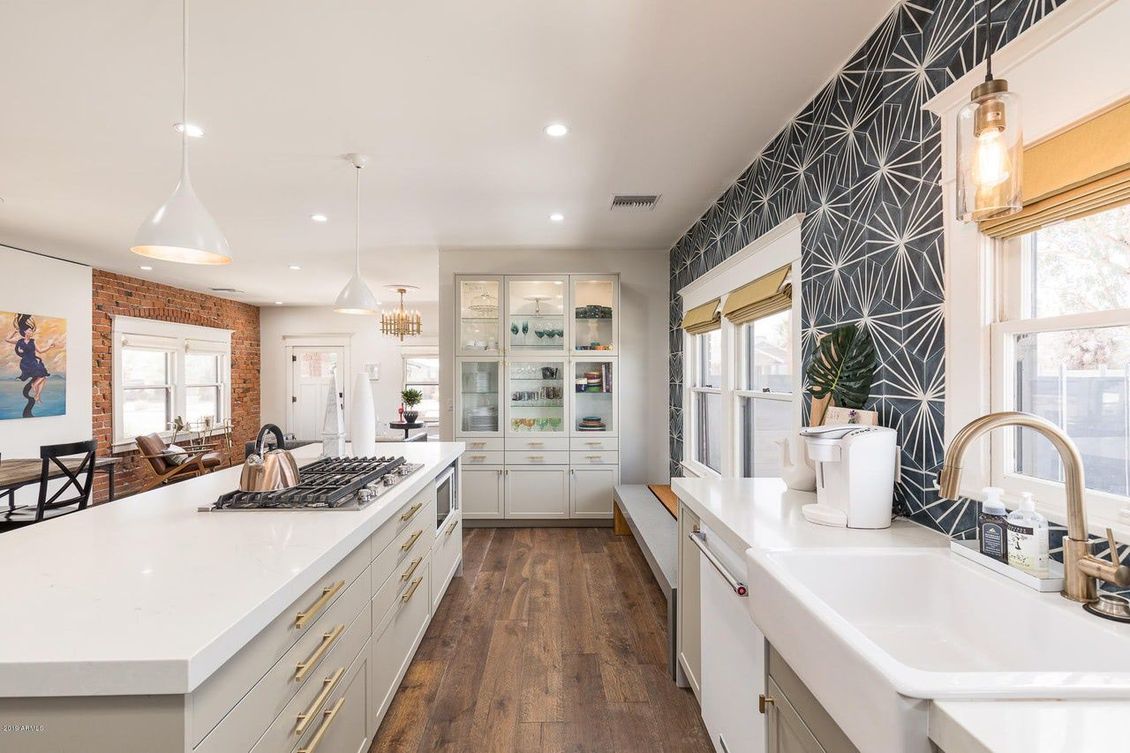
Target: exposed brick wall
{"type": "Point", "coordinates": [129, 296]}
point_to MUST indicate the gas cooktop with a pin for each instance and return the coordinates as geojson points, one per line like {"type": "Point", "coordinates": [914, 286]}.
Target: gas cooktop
{"type": "Point", "coordinates": [327, 484]}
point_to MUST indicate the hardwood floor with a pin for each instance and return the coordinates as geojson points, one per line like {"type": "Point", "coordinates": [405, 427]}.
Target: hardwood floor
{"type": "Point", "coordinates": [553, 640]}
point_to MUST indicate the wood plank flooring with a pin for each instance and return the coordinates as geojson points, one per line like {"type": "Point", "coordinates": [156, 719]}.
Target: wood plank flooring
{"type": "Point", "coordinates": [552, 641]}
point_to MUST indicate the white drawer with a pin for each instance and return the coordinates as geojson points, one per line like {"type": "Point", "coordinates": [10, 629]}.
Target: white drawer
{"type": "Point", "coordinates": [422, 506]}
{"type": "Point", "coordinates": [594, 442]}
{"type": "Point", "coordinates": [478, 444]}
{"type": "Point", "coordinates": [231, 682]}
{"type": "Point", "coordinates": [446, 554]}
{"type": "Point", "coordinates": [300, 669]}
{"type": "Point", "coordinates": [401, 572]}
{"type": "Point", "coordinates": [594, 457]}
{"type": "Point", "coordinates": [535, 443]}
{"type": "Point", "coordinates": [392, 648]}
{"type": "Point", "coordinates": [537, 457]}
{"type": "Point", "coordinates": [341, 724]}
{"type": "Point", "coordinates": [299, 721]}
{"type": "Point", "coordinates": [486, 457]}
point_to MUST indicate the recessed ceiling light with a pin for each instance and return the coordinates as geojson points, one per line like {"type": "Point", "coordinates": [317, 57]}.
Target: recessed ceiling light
{"type": "Point", "coordinates": [278, 303]}
{"type": "Point", "coordinates": [556, 130]}
{"type": "Point", "coordinates": [146, 268]}
{"type": "Point", "coordinates": [557, 217]}
{"type": "Point", "coordinates": [319, 217]}
{"type": "Point", "coordinates": [194, 131]}
{"type": "Point", "coordinates": [294, 267]}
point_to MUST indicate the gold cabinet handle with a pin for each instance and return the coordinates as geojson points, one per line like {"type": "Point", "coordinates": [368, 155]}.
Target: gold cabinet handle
{"type": "Point", "coordinates": [410, 512]}
{"type": "Point", "coordinates": [535, 457]}
{"type": "Point", "coordinates": [407, 597]}
{"type": "Point", "coordinates": [327, 688]}
{"type": "Point", "coordinates": [594, 444]}
{"type": "Point", "coordinates": [311, 612]}
{"type": "Point", "coordinates": [303, 667]}
{"type": "Point", "coordinates": [593, 457]}
{"type": "Point", "coordinates": [764, 702]}
{"type": "Point", "coordinates": [411, 540]}
{"type": "Point", "coordinates": [411, 569]}
{"type": "Point", "coordinates": [451, 528]}
{"type": "Point", "coordinates": [477, 445]}
{"type": "Point", "coordinates": [477, 457]}
{"type": "Point", "coordinates": [327, 719]}
{"type": "Point", "coordinates": [536, 444]}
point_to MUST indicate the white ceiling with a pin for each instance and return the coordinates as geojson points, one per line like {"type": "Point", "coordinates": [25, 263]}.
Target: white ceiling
{"type": "Point", "coordinates": [448, 97]}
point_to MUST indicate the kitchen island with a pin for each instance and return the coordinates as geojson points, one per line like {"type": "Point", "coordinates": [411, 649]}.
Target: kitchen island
{"type": "Point", "coordinates": [148, 625]}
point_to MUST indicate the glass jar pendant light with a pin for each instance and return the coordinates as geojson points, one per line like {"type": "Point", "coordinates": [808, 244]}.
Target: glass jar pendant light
{"type": "Point", "coordinates": [356, 297]}
{"type": "Point", "coordinates": [182, 230]}
{"type": "Point", "coordinates": [990, 149]}
{"type": "Point", "coordinates": [400, 322]}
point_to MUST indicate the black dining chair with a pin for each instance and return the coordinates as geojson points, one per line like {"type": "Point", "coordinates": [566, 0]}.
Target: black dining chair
{"type": "Point", "coordinates": [11, 493]}
{"type": "Point", "coordinates": [80, 480]}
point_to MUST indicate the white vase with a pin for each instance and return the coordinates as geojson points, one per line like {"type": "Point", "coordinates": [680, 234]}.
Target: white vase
{"type": "Point", "coordinates": [363, 418]}
{"type": "Point", "coordinates": [333, 425]}
{"type": "Point", "coordinates": [796, 469]}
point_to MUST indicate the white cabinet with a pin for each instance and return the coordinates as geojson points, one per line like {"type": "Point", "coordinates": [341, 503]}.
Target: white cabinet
{"type": "Point", "coordinates": [537, 492]}
{"type": "Point", "coordinates": [733, 653]}
{"type": "Point", "coordinates": [482, 493]}
{"type": "Point", "coordinates": [480, 315]}
{"type": "Point", "coordinates": [688, 635]}
{"type": "Point", "coordinates": [591, 491]}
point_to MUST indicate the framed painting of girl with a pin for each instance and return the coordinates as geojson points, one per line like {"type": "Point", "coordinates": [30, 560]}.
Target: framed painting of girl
{"type": "Point", "coordinates": [33, 366]}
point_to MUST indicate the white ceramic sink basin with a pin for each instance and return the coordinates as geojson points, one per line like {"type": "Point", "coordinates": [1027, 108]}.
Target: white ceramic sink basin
{"type": "Point", "coordinates": [873, 631]}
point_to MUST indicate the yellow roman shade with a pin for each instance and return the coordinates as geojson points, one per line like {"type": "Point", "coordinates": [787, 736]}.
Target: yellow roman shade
{"type": "Point", "coordinates": [766, 295]}
{"type": "Point", "coordinates": [703, 319]}
{"type": "Point", "coordinates": [1078, 172]}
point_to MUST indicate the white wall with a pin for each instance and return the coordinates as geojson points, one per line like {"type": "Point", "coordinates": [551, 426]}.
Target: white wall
{"type": "Point", "coordinates": [644, 295]}
{"type": "Point", "coordinates": [40, 285]}
{"type": "Point", "coordinates": [366, 345]}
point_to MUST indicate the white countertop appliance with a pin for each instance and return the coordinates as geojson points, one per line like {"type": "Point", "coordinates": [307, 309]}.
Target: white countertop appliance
{"type": "Point", "coordinates": [855, 475]}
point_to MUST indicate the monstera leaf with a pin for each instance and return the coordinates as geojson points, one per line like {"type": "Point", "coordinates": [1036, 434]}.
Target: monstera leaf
{"type": "Point", "coordinates": [842, 367]}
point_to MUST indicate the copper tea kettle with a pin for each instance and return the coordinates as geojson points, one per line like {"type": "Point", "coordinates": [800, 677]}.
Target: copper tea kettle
{"type": "Point", "coordinates": [269, 470]}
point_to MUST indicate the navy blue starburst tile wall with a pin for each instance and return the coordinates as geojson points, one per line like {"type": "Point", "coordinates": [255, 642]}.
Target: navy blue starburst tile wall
{"type": "Point", "coordinates": [862, 160]}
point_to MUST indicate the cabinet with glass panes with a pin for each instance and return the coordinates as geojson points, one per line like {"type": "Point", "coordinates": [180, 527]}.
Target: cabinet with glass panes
{"type": "Point", "coordinates": [535, 307]}
{"type": "Point", "coordinates": [478, 397]}
{"type": "Point", "coordinates": [479, 325]}
{"type": "Point", "coordinates": [595, 308]}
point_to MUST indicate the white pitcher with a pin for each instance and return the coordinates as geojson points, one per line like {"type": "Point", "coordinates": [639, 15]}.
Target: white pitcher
{"type": "Point", "coordinates": [801, 474]}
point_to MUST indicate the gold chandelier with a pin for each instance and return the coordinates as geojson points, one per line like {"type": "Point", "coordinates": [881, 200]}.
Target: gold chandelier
{"type": "Point", "coordinates": [400, 322]}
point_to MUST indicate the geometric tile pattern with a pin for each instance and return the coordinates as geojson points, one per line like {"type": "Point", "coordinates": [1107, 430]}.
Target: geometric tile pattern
{"type": "Point", "coordinates": [862, 160]}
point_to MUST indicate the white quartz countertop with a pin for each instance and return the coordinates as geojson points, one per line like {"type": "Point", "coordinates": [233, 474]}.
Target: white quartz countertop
{"type": "Point", "coordinates": [146, 595]}
{"type": "Point", "coordinates": [1030, 726]}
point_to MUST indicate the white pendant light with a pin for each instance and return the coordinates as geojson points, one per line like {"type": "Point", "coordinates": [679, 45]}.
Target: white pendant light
{"type": "Point", "coordinates": [182, 230]}
{"type": "Point", "coordinates": [355, 297]}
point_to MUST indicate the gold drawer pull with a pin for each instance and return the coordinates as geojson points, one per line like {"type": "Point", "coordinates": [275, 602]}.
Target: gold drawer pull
{"type": "Point", "coordinates": [327, 688]}
{"type": "Point", "coordinates": [536, 444]}
{"type": "Point", "coordinates": [303, 667]}
{"type": "Point", "coordinates": [411, 541]}
{"type": "Point", "coordinates": [535, 457]}
{"type": "Point", "coordinates": [451, 528]}
{"type": "Point", "coordinates": [478, 457]}
{"type": "Point", "coordinates": [593, 457]}
{"type": "Point", "coordinates": [327, 719]}
{"type": "Point", "coordinates": [594, 444]}
{"type": "Point", "coordinates": [411, 569]}
{"type": "Point", "coordinates": [308, 614]}
{"type": "Point", "coordinates": [477, 445]}
{"type": "Point", "coordinates": [410, 512]}
{"type": "Point", "coordinates": [407, 597]}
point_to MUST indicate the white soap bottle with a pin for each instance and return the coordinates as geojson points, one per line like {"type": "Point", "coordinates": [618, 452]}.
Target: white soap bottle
{"type": "Point", "coordinates": [1028, 538]}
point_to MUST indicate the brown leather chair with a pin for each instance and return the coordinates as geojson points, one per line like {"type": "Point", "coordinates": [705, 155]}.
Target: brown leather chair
{"type": "Point", "coordinates": [153, 449]}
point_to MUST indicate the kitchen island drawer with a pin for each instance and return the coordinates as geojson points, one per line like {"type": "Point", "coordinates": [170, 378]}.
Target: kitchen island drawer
{"type": "Point", "coordinates": [340, 726]}
{"type": "Point", "coordinates": [602, 457]}
{"type": "Point", "coordinates": [479, 445]}
{"type": "Point", "coordinates": [537, 445]}
{"type": "Point", "coordinates": [298, 677]}
{"type": "Point", "coordinates": [474, 457]}
{"type": "Point", "coordinates": [446, 553]}
{"type": "Point", "coordinates": [415, 539]}
{"type": "Point", "coordinates": [399, 579]}
{"type": "Point", "coordinates": [420, 507]}
{"type": "Point", "coordinates": [537, 457]}
{"type": "Point", "coordinates": [393, 647]}
{"type": "Point", "coordinates": [301, 621]}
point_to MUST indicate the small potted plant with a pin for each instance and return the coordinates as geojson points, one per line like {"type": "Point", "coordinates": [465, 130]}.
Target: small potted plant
{"type": "Point", "coordinates": [411, 398]}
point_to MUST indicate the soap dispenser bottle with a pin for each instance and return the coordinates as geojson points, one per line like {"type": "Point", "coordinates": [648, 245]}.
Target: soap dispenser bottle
{"type": "Point", "coordinates": [992, 525]}
{"type": "Point", "coordinates": [1028, 538]}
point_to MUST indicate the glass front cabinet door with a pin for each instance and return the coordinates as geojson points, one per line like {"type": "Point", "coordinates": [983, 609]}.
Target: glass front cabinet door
{"type": "Point", "coordinates": [594, 397]}
{"type": "Point", "coordinates": [536, 397]}
{"type": "Point", "coordinates": [479, 397]}
{"type": "Point", "coordinates": [535, 320]}
{"type": "Point", "coordinates": [480, 315]}
{"type": "Point", "coordinates": [596, 313]}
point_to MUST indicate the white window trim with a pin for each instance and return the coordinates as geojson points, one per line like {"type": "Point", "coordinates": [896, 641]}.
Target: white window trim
{"type": "Point", "coordinates": [1089, 33]}
{"type": "Point", "coordinates": [770, 251]}
{"type": "Point", "coordinates": [419, 351]}
{"type": "Point", "coordinates": [180, 338]}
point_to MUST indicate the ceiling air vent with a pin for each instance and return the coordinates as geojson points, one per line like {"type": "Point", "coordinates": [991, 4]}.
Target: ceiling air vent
{"type": "Point", "coordinates": [634, 202]}
{"type": "Point", "coordinates": [225, 290]}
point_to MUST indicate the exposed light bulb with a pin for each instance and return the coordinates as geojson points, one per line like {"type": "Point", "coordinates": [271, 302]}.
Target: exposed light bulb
{"type": "Point", "coordinates": [991, 163]}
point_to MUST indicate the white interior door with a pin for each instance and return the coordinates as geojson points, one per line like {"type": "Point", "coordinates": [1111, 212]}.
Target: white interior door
{"type": "Point", "coordinates": [312, 377]}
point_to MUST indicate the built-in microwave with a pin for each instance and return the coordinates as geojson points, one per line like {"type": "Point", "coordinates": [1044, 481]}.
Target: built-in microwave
{"type": "Point", "coordinates": [447, 495]}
